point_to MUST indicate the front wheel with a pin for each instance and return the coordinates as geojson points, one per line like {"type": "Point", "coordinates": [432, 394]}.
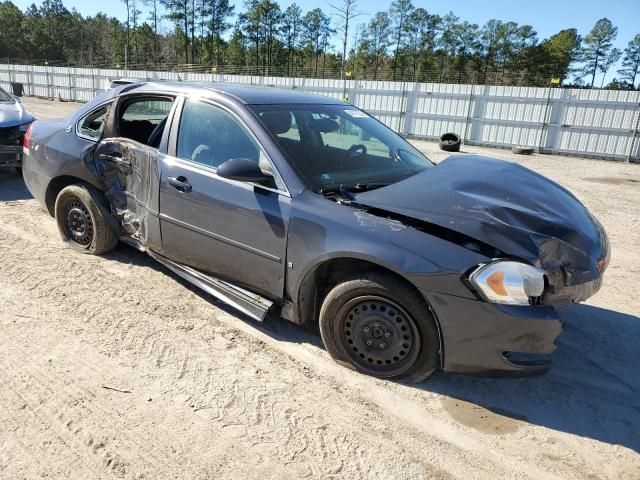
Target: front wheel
{"type": "Point", "coordinates": [81, 221]}
{"type": "Point", "coordinates": [380, 326]}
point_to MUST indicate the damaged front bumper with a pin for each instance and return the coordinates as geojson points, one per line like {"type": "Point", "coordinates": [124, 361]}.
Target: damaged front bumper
{"type": "Point", "coordinates": [572, 294]}
{"type": "Point", "coordinates": [10, 156]}
{"type": "Point", "coordinates": [482, 338]}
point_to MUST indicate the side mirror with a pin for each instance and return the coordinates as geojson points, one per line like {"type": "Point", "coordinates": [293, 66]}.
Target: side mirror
{"type": "Point", "coordinates": [243, 170]}
{"type": "Point", "coordinates": [17, 98]}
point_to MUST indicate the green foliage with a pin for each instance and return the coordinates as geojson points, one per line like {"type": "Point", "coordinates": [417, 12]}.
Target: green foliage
{"type": "Point", "coordinates": [630, 71]}
{"type": "Point", "coordinates": [402, 43]}
{"type": "Point", "coordinates": [291, 31]}
{"type": "Point", "coordinates": [11, 26]}
{"type": "Point", "coordinates": [399, 14]}
{"type": "Point", "coordinates": [556, 54]}
{"type": "Point", "coordinates": [597, 46]}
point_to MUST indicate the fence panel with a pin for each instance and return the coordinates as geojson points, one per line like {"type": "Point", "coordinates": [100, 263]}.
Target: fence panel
{"type": "Point", "coordinates": [591, 123]}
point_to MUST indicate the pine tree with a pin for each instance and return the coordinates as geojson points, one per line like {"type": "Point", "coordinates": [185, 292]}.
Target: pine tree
{"type": "Point", "coordinates": [597, 47]}
{"type": "Point", "coordinates": [631, 62]}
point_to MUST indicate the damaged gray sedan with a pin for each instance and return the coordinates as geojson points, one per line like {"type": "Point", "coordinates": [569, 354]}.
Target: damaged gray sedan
{"type": "Point", "coordinates": [302, 206]}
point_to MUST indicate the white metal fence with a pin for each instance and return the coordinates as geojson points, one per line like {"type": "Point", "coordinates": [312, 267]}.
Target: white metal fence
{"type": "Point", "coordinates": [591, 123]}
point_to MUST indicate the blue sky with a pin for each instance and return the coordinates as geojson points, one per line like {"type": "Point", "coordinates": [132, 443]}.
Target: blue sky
{"type": "Point", "coordinates": [546, 16]}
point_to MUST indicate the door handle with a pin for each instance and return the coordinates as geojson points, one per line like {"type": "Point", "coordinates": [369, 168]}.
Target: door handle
{"type": "Point", "coordinates": [115, 157]}
{"type": "Point", "coordinates": [180, 183]}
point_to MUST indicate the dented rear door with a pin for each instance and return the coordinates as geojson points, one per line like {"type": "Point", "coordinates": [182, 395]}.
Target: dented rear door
{"type": "Point", "coordinates": [129, 170]}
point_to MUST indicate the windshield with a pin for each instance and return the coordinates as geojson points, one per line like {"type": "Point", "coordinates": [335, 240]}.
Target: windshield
{"type": "Point", "coordinates": [5, 97]}
{"type": "Point", "coordinates": [340, 147]}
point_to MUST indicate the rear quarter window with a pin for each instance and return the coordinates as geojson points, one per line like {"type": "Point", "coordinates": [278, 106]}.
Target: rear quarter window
{"type": "Point", "coordinates": [92, 125]}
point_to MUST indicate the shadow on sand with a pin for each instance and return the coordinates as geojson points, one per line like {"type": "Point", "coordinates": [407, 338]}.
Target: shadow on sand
{"type": "Point", "coordinates": [593, 389]}
{"type": "Point", "coordinates": [12, 186]}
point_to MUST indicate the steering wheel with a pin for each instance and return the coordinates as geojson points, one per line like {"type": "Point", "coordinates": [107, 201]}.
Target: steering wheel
{"type": "Point", "coordinates": [358, 147]}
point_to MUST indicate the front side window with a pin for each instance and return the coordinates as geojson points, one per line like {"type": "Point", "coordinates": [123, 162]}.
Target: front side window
{"type": "Point", "coordinates": [338, 146]}
{"type": "Point", "coordinates": [92, 125]}
{"type": "Point", "coordinates": [210, 136]}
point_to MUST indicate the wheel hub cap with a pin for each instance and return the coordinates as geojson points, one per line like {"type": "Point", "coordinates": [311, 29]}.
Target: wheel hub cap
{"type": "Point", "coordinates": [379, 335]}
{"type": "Point", "coordinates": [79, 223]}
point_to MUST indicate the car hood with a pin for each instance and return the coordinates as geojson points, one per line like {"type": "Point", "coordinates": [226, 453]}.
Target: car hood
{"type": "Point", "coordinates": [12, 114]}
{"type": "Point", "coordinates": [506, 206]}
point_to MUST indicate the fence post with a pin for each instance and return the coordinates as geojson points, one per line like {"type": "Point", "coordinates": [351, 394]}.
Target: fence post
{"type": "Point", "coordinates": [545, 121]}
{"type": "Point", "coordinates": [634, 139]}
{"type": "Point", "coordinates": [469, 111]}
{"type": "Point", "coordinates": [70, 82]}
{"type": "Point", "coordinates": [403, 103]}
{"type": "Point", "coordinates": [410, 109]}
{"type": "Point", "coordinates": [355, 92]}
{"type": "Point", "coordinates": [46, 69]}
{"type": "Point", "coordinates": [30, 80]}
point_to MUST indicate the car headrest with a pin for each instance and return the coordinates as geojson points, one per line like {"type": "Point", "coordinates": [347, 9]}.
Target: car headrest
{"type": "Point", "coordinates": [278, 121]}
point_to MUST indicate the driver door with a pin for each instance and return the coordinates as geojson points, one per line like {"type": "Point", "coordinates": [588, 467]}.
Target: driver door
{"type": "Point", "coordinates": [234, 230]}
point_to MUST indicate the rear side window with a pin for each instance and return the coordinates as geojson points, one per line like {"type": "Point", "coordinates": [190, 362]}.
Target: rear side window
{"type": "Point", "coordinates": [92, 125]}
{"type": "Point", "coordinates": [143, 119]}
{"type": "Point", "coordinates": [210, 136]}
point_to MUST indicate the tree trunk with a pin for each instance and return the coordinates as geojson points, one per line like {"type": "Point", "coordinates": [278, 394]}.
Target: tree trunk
{"type": "Point", "coordinates": [595, 66]}
{"type": "Point", "coordinates": [186, 33]}
{"type": "Point", "coordinates": [395, 57]}
{"type": "Point", "coordinates": [193, 33]}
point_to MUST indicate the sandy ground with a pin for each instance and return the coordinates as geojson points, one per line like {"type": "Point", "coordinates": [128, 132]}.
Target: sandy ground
{"type": "Point", "coordinates": [111, 367]}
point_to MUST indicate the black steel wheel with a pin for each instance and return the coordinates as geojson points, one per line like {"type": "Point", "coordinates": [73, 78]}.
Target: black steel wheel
{"type": "Point", "coordinates": [380, 326]}
{"type": "Point", "coordinates": [81, 214]}
{"type": "Point", "coordinates": [379, 336]}
{"type": "Point", "coordinates": [78, 223]}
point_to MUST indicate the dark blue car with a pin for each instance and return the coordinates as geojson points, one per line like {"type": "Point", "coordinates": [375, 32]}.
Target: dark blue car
{"type": "Point", "coordinates": [306, 207]}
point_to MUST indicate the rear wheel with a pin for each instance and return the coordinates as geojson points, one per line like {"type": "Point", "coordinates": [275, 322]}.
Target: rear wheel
{"type": "Point", "coordinates": [81, 222]}
{"type": "Point", "coordinates": [381, 327]}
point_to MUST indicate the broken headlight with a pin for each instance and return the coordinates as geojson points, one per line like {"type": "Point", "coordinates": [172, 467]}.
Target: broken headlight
{"type": "Point", "coordinates": [506, 282]}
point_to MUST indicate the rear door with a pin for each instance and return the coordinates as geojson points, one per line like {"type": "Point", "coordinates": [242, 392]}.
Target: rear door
{"type": "Point", "coordinates": [127, 163]}
{"type": "Point", "coordinates": [234, 230]}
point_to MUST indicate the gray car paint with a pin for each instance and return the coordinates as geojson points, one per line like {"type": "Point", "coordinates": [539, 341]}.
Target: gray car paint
{"type": "Point", "coordinates": [273, 242]}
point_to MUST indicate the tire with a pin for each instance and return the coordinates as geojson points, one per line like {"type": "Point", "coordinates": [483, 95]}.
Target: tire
{"type": "Point", "coordinates": [81, 220]}
{"type": "Point", "coordinates": [450, 142]}
{"type": "Point", "coordinates": [378, 326]}
{"type": "Point", "coordinates": [522, 150]}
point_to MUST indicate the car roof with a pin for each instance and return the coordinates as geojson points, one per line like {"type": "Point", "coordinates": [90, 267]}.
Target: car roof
{"type": "Point", "coordinates": [247, 94]}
